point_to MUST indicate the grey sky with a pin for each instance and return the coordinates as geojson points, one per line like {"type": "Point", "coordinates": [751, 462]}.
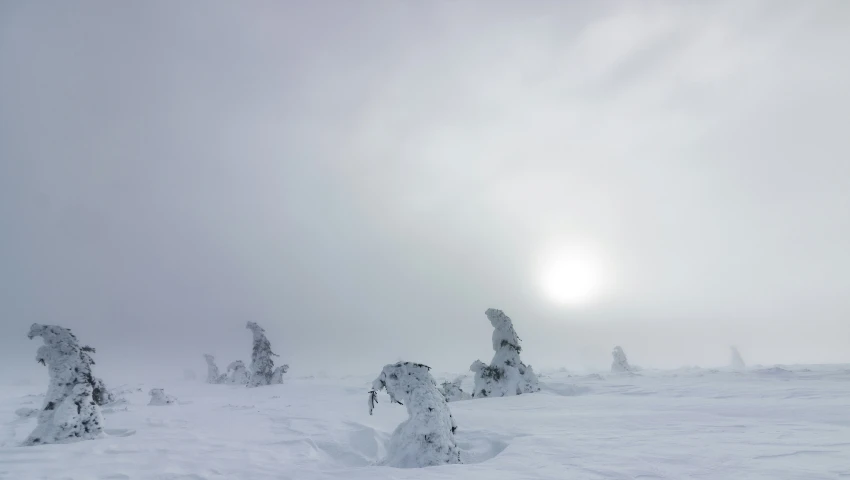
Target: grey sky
{"type": "Point", "coordinates": [364, 179]}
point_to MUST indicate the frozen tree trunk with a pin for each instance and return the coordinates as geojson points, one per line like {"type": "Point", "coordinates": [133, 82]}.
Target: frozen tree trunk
{"type": "Point", "coordinates": [159, 398]}
{"type": "Point", "coordinates": [212, 370]}
{"type": "Point", "coordinates": [737, 361]}
{"type": "Point", "coordinates": [453, 392]}
{"type": "Point", "coordinates": [620, 363]}
{"type": "Point", "coordinates": [426, 438]}
{"type": "Point", "coordinates": [70, 412]}
{"type": "Point", "coordinates": [237, 374]}
{"type": "Point", "coordinates": [262, 365]}
{"type": "Point", "coordinates": [506, 375]}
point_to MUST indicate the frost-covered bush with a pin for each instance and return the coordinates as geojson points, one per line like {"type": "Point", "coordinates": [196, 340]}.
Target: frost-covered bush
{"type": "Point", "coordinates": [452, 391]}
{"type": "Point", "coordinates": [262, 365]}
{"type": "Point", "coordinates": [426, 438]}
{"type": "Point", "coordinates": [237, 374]}
{"type": "Point", "coordinates": [737, 362]}
{"type": "Point", "coordinates": [620, 363]}
{"type": "Point", "coordinates": [506, 375]}
{"type": "Point", "coordinates": [212, 371]}
{"type": "Point", "coordinates": [158, 397]}
{"type": "Point", "coordinates": [70, 412]}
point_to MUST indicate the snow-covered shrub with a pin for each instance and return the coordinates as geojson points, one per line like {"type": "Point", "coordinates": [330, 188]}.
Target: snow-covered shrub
{"type": "Point", "coordinates": [620, 363]}
{"type": "Point", "coordinates": [212, 370]}
{"type": "Point", "coordinates": [452, 391]}
{"type": "Point", "coordinates": [70, 412]}
{"type": "Point", "coordinates": [426, 438]}
{"type": "Point", "coordinates": [158, 397]}
{"type": "Point", "coordinates": [262, 365]}
{"type": "Point", "coordinates": [237, 374]}
{"type": "Point", "coordinates": [506, 375]}
{"type": "Point", "coordinates": [737, 361]}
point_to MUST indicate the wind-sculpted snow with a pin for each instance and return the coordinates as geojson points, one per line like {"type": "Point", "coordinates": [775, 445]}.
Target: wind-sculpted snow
{"type": "Point", "coordinates": [679, 424]}
{"type": "Point", "coordinates": [506, 375]}
{"type": "Point", "coordinates": [70, 412]}
{"type": "Point", "coordinates": [426, 438]}
{"type": "Point", "coordinates": [620, 363]}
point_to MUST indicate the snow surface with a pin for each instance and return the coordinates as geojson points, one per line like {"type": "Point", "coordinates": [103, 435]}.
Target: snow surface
{"type": "Point", "coordinates": [785, 422]}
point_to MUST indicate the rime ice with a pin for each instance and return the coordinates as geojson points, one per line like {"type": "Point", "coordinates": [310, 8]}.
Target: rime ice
{"type": "Point", "coordinates": [426, 438]}
{"type": "Point", "coordinates": [506, 375]}
{"type": "Point", "coordinates": [70, 412]}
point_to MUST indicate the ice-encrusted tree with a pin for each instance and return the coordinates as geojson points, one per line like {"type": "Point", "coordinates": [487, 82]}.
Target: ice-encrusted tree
{"type": "Point", "coordinates": [620, 363]}
{"type": "Point", "coordinates": [452, 391]}
{"type": "Point", "coordinates": [262, 365]}
{"type": "Point", "coordinates": [159, 398]}
{"type": "Point", "coordinates": [213, 376]}
{"type": "Point", "coordinates": [100, 393]}
{"type": "Point", "coordinates": [426, 438]}
{"type": "Point", "coordinates": [737, 361]}
{"type": "Point", "coordinates": [506, 375]}
{"type": "Point", "coordinates": [237, 374]}
{"type": "Point", "coordinates": [70, 412]}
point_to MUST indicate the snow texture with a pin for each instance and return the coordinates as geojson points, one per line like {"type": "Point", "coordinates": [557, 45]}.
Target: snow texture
{"type": "Point", "coordinates": [262, 365]}
{"type": "Point", "coordinates": [237, 374]}
{"type": "Point", "coordinates": [737, 362]}
{"type": "Point", "coordinates": [212, 370]}
{"type": "Point", "coordinates": [696, 424]}
{"type": "Point", "coordinates": [506, 375]}
{"type": "Point", "coordinates": [426, 438]}
{"type": "Point", "coordinates": [452, 391]}
{"type": "Point", "coordinates": [70, 412]}
{"type": "Point", "coordinates": [620, 363]}
{"type": "Point", "coordinates": [159, 398]}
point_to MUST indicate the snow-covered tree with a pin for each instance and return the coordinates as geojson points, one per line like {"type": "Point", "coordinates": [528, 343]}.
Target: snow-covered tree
{"type": "Point", "coordinates": [506, 375]}
{"type": "Point", "coordinates": [426, 438]}
{"type": "Point", "coordinates": [737, 361]}
{"type": "Point", "coordinates": [159, 398]}
{"type": "Point", "coordinates": [70, 412]}
{"type": "Point", "coordinates": [100, 393]}
{"type": "Point", "coordinates": [620, 363]}
{"type": "Point", "coordinates": [212, 371]}
{"type": "Point", "coordinates": [237, 374]}
{"type": "Point", "coordinates": [453, 391]}
{"type": "Point", "coordinates": [262, 365]}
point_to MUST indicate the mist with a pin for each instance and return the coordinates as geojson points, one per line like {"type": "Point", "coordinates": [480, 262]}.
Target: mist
{"type": "Point", "coordinates": [365, 179]}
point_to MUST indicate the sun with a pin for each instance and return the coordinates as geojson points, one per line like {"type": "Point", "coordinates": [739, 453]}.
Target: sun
{"type": "Point", "coordinates": [572, 276]}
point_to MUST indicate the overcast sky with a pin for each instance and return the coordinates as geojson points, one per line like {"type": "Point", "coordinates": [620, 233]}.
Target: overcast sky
{"type": "Point", "coordinates": [365, 178]}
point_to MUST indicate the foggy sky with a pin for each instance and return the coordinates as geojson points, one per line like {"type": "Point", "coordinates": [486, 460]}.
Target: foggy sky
{"type": "Point", "coordinates": [364, 179]}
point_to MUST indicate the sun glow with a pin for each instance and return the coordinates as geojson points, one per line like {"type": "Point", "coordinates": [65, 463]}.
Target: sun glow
{"type": "Point", "coordinates": [572, 276]}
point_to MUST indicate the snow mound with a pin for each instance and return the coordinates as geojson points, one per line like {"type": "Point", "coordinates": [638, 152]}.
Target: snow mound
{"type": "Point", "coordinates": [159, 398]}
